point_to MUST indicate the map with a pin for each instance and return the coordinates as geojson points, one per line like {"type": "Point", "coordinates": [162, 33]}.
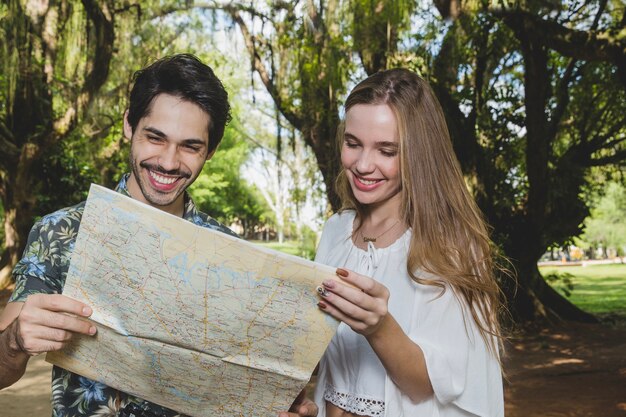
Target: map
{"type": "Point", "coordinates": [189, 318]}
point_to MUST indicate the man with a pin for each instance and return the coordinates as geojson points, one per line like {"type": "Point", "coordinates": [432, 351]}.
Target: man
{"type": "Point", "coordinates": [177, 113]}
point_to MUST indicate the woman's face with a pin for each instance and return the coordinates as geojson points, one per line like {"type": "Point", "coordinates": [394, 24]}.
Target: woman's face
{"type": "Point", "coordinates": [370, 154]}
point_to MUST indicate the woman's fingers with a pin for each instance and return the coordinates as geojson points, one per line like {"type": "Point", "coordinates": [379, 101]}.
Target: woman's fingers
{"type": "Point", "coordinates": [345, 306]}
{"type": "Point", "coordinates": [362, 306]}
{"type": "Point", "coordinates": [356, 325]}
{"type": "Point", "coordinates": [362, 291]}
{"type": "Point", "coordinates": [352, 295]}
{"type": "Point", "coordinates": [363, 283]}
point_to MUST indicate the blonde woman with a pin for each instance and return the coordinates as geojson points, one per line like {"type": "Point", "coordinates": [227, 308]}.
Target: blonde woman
{"type": "Point", "coordinates": [419, 332]}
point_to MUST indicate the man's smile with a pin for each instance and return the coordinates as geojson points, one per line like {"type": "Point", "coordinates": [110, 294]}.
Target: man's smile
{"type": "Point", "coordinates": [166, 180]}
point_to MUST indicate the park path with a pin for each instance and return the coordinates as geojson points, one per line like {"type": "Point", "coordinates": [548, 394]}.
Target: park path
{"type": "Point", "coordinates": [30, 396]}
{"type": "Point", "coordinates": [575, 370]}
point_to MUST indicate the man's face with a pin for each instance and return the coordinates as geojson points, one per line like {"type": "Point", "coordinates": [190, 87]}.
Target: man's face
{"type": "Point", "coordinates": [168, 150]}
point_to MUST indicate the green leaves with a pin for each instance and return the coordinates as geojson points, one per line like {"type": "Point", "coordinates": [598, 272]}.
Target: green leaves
{"type": "Point", "coordinates": [607, 224]}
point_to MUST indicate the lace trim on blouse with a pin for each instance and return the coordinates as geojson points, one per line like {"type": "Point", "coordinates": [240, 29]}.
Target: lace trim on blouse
{"type": "Point", "coordinates": [354, 404]}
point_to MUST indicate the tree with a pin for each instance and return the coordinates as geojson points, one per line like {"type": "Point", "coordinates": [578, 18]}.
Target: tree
{"type": "Point", "coordinates": [55, 58]}
{"type": "Point", "coordinates": [528, 124]}
{"type": "Point", "coordinates": [530, 111]}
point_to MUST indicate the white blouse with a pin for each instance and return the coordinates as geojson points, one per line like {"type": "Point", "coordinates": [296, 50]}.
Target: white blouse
{"type": "Point", "coordinates": [466, 378]}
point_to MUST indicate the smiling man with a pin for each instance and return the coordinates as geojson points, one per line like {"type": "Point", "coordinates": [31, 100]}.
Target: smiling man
{"type": "Point", "coordinates": [177, 113]}
{"type": "Point", "coordinates": [168, 149]}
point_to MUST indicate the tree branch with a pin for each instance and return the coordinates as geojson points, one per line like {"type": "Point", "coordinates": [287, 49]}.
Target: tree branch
{"type": "Point", "coordinates": [127, 7]}
{"type": "Point", "coordinates": [234, 9]}
{"type": "Point", "coordinates": [462, 133]}
{"type": "Point", "coordinates": [7, 135]}
{"type": "Point", "coordinates": [260, 68]}
{"type": "Point", "coordinates": [562, 99]}
{"type": "Point", "coordinates": [579, 44]}
{"type": "Point", "coordinates": [582, 152]}
{"type": "Point", "coordinates": [619, 159]}
{"type": "Point", "coordinates": [8, 148]}
{"type": "Point", "coordinates": [214, 5]}
{"type": "Point", "coordinates": [600, 141]}
{"type": "Point", "coordinates": [614, 143]}
{"type": "Point", "coordinates": [105, 38]}
{"type": "Point", "coordinates": [98, 69]}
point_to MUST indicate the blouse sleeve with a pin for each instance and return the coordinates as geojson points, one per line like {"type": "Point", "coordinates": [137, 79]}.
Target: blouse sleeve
{"type": "Point", "coordinates": [463, 372]}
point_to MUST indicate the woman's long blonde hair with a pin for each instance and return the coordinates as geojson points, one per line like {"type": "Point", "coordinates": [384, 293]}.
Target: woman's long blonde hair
{"type": "Point", "coordinates": [449, 236]}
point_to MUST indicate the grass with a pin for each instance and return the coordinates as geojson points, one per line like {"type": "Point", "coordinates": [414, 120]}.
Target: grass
{"type": "Point", "coordinates": [597, 289]}
{"type": "Point", "coordinates": [291, 247]}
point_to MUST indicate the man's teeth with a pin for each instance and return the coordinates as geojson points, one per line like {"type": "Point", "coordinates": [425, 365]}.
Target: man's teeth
{"type": "Point", "coordinates": [161, 179]}
{"type": "Point", "coordinates": [367, 182]}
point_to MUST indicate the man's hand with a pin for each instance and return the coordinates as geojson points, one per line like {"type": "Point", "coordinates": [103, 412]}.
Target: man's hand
{"type": "Point", "coordinates": [43, 323]}
{"type": "Point", "coordinates": [47, 322]}
{"type": "Point", "coordinates": [301, 407]}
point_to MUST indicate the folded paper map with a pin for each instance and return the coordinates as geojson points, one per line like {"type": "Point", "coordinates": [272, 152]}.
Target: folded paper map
{"type": "Point", "coordinates": [190, 318]}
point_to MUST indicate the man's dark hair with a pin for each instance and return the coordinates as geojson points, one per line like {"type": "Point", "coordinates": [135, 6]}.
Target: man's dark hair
{"type": "Point", "coordinates": [183, 76]}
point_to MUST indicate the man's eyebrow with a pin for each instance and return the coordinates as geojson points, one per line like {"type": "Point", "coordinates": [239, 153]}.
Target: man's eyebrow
{"type": "Point", "coordinates": [194, 141]}
{"type": "Point", "coordinates": [190, 141]}
{"type": "Point", "coordinates": [155, 131]}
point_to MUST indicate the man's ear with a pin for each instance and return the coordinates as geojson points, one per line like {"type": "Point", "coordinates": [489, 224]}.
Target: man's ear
{"type": "Point", "coordinates": [128, 130]}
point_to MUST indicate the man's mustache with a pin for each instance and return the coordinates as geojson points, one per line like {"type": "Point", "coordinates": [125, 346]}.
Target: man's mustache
{"type": "Point", "coordinates": [161, 170]}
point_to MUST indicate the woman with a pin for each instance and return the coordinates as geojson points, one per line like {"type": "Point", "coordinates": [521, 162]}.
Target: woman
{"type": "Point", "coordinates": [419, 333]}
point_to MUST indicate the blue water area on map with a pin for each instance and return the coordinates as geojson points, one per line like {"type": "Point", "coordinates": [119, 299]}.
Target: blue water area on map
{"type": "Point", "coordinates": [121, 213]}
{"type": "Point", "coordinates": [182, 395]}
{"type": "Point", "coordinates": [184, 271]}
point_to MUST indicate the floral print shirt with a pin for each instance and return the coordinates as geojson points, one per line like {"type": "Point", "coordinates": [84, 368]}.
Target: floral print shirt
{"type": "Point", "coordinates": [43, 269]}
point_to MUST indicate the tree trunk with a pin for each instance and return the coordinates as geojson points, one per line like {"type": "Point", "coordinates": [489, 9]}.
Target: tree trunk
{"type": "Point", "coordinates": [322, 139]}
{"type": "Point", "coordinates": [19, 202]}
{"type": "Point", "coordinates": [15, 232]}
{"type": "Point", "coordinates": [530, 298]}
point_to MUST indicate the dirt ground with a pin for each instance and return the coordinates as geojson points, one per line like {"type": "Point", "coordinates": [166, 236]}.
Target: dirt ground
{"type": "Point", "coordinates": [576, 370]}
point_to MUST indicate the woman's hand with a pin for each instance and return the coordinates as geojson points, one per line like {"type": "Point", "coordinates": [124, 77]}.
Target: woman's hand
{"type": "Point", "coordinates": [362, 307]}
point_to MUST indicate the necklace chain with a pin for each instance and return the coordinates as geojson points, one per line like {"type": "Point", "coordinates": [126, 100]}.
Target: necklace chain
{"type": "Point", "coordinates": [373, 239]}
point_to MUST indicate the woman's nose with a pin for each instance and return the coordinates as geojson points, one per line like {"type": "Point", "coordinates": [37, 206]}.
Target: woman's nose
{"type": "Point", "coordinates": [365, 163]}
